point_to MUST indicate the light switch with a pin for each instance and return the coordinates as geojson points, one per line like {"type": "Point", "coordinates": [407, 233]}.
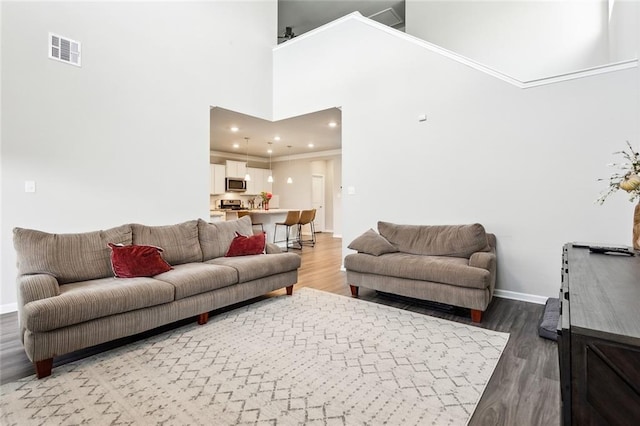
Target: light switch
{"type": "Point", "coordinates": [29, 186]}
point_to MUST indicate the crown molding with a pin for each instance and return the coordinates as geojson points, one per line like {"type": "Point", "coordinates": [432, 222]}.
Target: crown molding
{"type": "Point", "coordinates": [356, 16]}
{"type": "Point", "coordinates": [307, 155]}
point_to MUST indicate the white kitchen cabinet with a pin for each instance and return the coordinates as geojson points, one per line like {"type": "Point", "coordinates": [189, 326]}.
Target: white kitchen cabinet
{"type": "Point", "coordinates": [218, 173]}
{"type": "Point", "coordinates": [258, 182]}
{"type": "Point", "coordinates": [266, 185]}
{"type": "Point", "coordinates": [254, 185]}
{"type": "Point", "coordinates": [236, 169]}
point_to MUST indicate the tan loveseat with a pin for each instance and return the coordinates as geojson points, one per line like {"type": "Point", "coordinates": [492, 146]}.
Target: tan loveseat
{"type": "Point", "coordinates": [451, 264]}
{"type": "Point", "coordinates": [69, 298]}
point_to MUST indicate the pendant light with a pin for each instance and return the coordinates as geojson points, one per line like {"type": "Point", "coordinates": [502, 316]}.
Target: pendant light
{"type": "Point", "coordinates": [289, 180]}
{"type": "Point", "coordinates": [247, 177]}
{"type": "Point", "coordinates": [270, 150]}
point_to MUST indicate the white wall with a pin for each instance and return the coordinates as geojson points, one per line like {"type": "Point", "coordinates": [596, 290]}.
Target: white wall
{"type": "Point", "coordinates": [124, 138]}
{"type": "Point", "coordinates": [623, 26]}
{"type": "Point", "coordinates": [297, 195]}
{"type": "Point", "coordinates": [524, 163]}
{"type": "Point", "coordinates": [527, 40]}
{"type": "Point", "coordinates": [335, 166]}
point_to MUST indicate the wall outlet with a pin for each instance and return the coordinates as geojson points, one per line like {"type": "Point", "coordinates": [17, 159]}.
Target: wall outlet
{"type": "Point", "coordinates": [29, 186]}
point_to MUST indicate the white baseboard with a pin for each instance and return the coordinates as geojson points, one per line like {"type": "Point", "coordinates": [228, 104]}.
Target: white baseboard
{"type": "Point", "coordinates": [9, 307]}
{"type": "Point", "coordinates": [524, 297]}
{"type": "Point", "coordinates": [337, 235]}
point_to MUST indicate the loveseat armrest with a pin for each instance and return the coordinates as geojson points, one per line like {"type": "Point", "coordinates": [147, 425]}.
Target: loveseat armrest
{"type": "Point", "coordinates": [36, 287]}
{"type": "Point", "coordinates": [484, 260]}
{"type": "Point", "coordinates": [272, 248]}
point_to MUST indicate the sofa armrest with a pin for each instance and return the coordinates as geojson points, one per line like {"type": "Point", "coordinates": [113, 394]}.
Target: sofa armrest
{"type": "Point", "coordinates": [36, 287]}
{"type": "Point", "coordinates": [272, 248]}
{"type": "Point", "coordinates": [484, 260]}
{"type": "Point", "coordinates": [31, 288]}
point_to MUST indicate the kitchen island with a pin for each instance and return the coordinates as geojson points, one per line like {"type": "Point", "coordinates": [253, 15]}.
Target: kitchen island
{"type": "Point", "coordinates": [268, 218]}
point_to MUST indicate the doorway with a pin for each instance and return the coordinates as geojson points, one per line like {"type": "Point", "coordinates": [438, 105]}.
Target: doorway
{"type": "Point", "coordinates": [318, 201]}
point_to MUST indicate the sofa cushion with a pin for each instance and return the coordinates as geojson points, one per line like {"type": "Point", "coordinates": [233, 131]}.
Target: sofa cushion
{"type": "Point", "coordinates": [68, 257]}
{"type": "Point", "coordinates": [195, 278]}
{"type": "Point", "coordinates": [440, 240]}
{"type": "Point", "coordinates": [250, 268]}
{"type": "Point", "coordinates": [445, 270]}
{"type": "Point", "coordinates": [215, 238]}
{"type": "Point", "coordinates": [86, 300]}
{"type": "Point", "coordinates": [179, 242]}
{"type": "Point", "coordinates": [244, 245]}
{"type": "Point", "coordinates": [137, 261]}
{"type": "Point", "coordinates": [372, 243]}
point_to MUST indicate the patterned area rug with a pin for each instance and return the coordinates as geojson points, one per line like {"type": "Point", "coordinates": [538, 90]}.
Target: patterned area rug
{"type": "Point", "coordinates": [314, 358]}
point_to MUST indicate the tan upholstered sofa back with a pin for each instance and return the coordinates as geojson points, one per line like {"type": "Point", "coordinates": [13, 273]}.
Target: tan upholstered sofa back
{"type": "Point", "coordinates": [86, 256]}
{"type": "Point", "coordinates": [68, 257]}
{"type": "Point", "coordinates": [439, 240]}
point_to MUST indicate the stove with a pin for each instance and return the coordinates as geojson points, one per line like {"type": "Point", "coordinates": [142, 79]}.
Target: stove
{"type": "Point", "coordinates": [231, 205]}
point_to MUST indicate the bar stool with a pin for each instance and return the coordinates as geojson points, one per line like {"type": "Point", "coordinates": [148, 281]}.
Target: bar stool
{"type": "Point", "coordinates": [306, 218]}
{"type": "Point", "coordinates": [293, 216]}
{"type": "Point", "coordinates": [246, 213]}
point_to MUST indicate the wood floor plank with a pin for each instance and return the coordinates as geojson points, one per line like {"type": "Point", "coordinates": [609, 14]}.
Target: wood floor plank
{"type": "Point", "coordinates": [523, 390]}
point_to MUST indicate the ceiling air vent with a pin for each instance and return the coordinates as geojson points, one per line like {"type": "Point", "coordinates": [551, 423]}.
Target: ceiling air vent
{"type": "Point", "coordinates": [388, 17]}
{"type": "Point", "coordinates": [64, 49]}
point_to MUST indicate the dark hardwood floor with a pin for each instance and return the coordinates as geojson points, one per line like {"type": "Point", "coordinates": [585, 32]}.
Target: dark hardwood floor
{"type": "Point", "coordinates": [524, 389]}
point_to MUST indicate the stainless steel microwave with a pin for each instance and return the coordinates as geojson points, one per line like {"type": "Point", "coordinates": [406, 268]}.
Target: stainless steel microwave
{"type": "Point", "coordinates": [235, 185]}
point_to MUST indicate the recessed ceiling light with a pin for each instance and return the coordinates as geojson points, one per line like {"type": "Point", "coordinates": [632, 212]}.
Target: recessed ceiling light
{"type": "Point", "coordinates": [332, 124]}
{"type": "Point", "coordinates": [310, 145]}
{"type": "Point", "coordinates": [276, 138]}
{"type": "Point", "coordinates": [236, 145]}
{"type": "Point", "coordinates": [234, 128]}
{"type": "Point", "coordinates": [269, 151]}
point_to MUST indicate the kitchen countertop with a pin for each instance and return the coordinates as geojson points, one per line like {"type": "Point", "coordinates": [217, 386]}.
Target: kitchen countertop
{"type": "Point", "coordinates": [254, 211]}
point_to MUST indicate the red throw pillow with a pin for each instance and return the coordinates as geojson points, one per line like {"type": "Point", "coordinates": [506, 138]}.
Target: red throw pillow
{"type": "Point", "coordinates": [137, 261]}
{"type": "Point", "coordinates": [244, 246]}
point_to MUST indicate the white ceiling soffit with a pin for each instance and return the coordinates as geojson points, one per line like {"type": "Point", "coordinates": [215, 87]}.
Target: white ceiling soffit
{"type": "Point", "coordinates": [387, 17]}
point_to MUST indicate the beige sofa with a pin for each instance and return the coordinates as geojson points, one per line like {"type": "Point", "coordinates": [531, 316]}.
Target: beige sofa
{"type": "Point", "coordinates": [450, 264]}
{"type": "Point", "coordinates": [69, 298]}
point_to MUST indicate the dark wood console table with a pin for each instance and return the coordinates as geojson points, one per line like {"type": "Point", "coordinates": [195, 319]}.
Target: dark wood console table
{"type": "Point", "coordinates": [599, 338]}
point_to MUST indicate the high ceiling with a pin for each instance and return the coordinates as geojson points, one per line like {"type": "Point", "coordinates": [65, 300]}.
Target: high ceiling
{"type": "Point", "coordinates": [298, 132]}
{"type": "Point", "coordinates": [305, 15]}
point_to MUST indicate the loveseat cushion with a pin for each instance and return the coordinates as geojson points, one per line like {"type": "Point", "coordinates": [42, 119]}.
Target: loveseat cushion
{"type": "Point", "coordinates": [253, 267]}
{"type": "Point", "coordinates": [446, 270]}
{"type": "Point", "coordinates": [179, 242]}
{"type": "Point", "coordinates": [215, 238]}
{"type": "Point", "coordinates": [439, 240]}
{"type": "Point", "coordinates": [68, 257]}
{"type": "Point", "coordinates": [86, 300]}
{"type": "Point", "coordinates": [195, 278]}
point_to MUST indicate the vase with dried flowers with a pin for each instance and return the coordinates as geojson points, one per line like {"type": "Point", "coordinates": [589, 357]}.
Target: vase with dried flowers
{"type": "Point", "coordinates": [266, 196]}
{"type": "Point", "coordinates": [627, 178]}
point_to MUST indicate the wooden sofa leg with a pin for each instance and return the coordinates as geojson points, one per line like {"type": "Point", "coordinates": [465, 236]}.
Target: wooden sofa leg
{"type": "Point", "coordinates": [43, 368]}
{"type": "Point", "coordinates": [289, 290]}
{"type": "Point", "coordinates": [203, 318]}
{"type": "Point", "coordinates": [476, 316]}
{"type": "Point", "coordinates": [354, 290]}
